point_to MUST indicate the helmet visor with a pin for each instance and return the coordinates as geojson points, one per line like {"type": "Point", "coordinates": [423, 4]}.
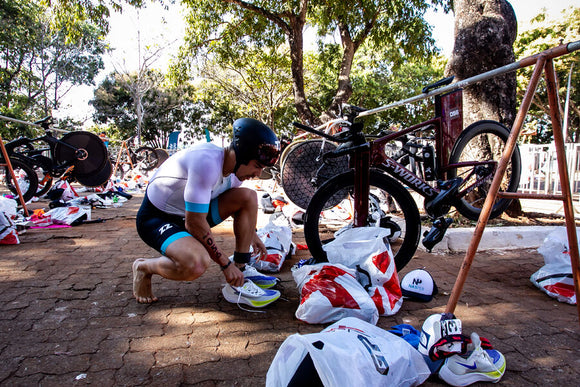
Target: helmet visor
{"type": "Point", "coordinates": [268, 154]}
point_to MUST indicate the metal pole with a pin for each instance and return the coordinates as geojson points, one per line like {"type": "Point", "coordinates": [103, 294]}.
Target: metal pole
{"type": "Point", "coordinates": [528, 61]}
{"type": "Point", "coordinates": [564, 178]}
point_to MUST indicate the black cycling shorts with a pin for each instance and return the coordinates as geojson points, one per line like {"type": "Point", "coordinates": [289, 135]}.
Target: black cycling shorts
{"type": "Point", "coordinates": [159, 229]}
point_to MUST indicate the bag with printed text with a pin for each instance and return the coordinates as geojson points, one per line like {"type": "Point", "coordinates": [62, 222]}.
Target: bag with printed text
{"type": "Point", "coordinates": [350, 352]}
{"type": "Point", "coordinates": [367, 250]}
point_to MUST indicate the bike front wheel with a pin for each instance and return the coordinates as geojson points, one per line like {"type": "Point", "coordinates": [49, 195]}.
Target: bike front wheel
{"type": "Point", "coordinates": [390, 206]}
{"type": "Point", "coordinates": [25, 178]}
{"type": "Point", "coordinates": [483, 141]}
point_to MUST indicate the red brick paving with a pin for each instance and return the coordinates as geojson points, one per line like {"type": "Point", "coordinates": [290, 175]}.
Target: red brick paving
{"type": "Point", "coordinates": [68, 316]}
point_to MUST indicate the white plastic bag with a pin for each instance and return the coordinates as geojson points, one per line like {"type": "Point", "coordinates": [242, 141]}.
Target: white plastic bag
{"type": "Point", "coordinates": [69, 215]}
{"type": "Point", "coordinates": [367, 250]}
{"type": "Point", "coordinates": [350, 352]}
{"type": "Point", "coordinates": [555, 277]}
{"type": "Point", "coordinates": [278, 241]}
{"type": "Point", "coordinates": [329, 293]}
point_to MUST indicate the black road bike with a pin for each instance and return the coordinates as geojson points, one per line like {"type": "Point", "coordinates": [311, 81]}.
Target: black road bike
{"type": "Point", "coordinates": [457, 167]}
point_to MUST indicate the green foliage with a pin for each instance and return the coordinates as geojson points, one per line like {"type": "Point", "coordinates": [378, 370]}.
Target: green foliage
{"type": "Point", "coordinates": [39, 65]}
{"type": "Point", "coordinates": [165, 108]}
{"type": "Point", "coordinates": [543, 34]}
{"type": "Point", "coordinates": [224, 31]}
{"type": "Point", "coordinates": [256, 85]}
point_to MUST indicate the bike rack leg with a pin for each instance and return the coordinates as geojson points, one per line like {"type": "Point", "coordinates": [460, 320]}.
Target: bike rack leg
{"type": "Point", "coordinates": [542, 63]}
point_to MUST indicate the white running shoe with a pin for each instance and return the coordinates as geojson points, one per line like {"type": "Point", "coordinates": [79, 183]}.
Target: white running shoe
{"type": "Point", "coordinates": [250, 294]}
{"type": "Point", "coordinates": [478, 365]}
{"type": "Point", "coordinates": [261, 280]}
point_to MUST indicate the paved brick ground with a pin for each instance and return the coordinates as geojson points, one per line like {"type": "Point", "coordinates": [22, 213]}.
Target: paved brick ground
{"type": "Point", "coordinates": [68, 317]}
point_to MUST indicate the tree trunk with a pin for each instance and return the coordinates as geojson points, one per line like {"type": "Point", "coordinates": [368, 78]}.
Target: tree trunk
{"type": "Point", "coordinates": [485, 31]}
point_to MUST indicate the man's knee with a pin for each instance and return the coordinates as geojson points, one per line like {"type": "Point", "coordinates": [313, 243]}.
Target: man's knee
{"type": "Point", "coordinates": [248, 197]}
{"type": "Point", "coordinates": [193, 269]}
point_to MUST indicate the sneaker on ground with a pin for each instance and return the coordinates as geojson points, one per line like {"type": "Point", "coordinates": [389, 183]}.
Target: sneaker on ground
{"type": "Point", "coordinates": [261, 280]}
{"type": "Point", "coordinates": [250, 294]}
{"type": "Point", "coordinates": [477, 365]}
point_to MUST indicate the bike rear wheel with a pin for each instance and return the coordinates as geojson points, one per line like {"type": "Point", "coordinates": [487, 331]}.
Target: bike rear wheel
{"type": "Point", "coordinates": [302, 164]}
{"type": "Point", "coordinates": [25, 178]}
{"type": "Point", "coordinates": [482, 141]}
{"type": "Point", "coordinates": [331, 210]}
{"type": "Point", "coordinates": [85, 150]}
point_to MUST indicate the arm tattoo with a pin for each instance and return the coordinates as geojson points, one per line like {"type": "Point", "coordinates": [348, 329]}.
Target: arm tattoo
{"type": "Point", "coordinates": [211, 246]}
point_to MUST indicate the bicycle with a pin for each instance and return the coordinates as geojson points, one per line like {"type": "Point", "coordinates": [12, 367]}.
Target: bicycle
{"type": "Point", "coordinates": [458, 170]}
{"type": "Point", "coordinates": [79, 156]}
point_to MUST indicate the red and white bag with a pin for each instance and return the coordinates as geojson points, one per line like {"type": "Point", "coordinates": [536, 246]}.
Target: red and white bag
{"type": "Point", "coordinates": [8, 233]}
{"type": "Point", "coordinates": [367, 250]}
{"type": "Point", "coordinates": [278, 242]}
{"type": "Point", "coordinates": [329, 293]}
{"type": "Point", "coordinates": [555, 277]}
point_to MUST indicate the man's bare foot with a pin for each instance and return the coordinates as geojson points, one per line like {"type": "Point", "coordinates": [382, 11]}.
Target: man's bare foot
{"type": "Point", "coordinates": [142, 284]}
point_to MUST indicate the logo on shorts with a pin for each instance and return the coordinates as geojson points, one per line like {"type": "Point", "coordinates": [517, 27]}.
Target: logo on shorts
{"type": "Point", "coordinates": [164, 228]}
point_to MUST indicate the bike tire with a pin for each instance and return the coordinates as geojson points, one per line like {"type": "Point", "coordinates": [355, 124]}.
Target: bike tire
{"type": "Point", "coordinates": [44, 178]}
{"type": "Point", "coordinates": [98, 179]}
{"type": "Point", "coordinates": [25, 176]}
{"type": "Point", "coordinates": [162, 155]}
{"type": "Point", "coordinates": [146, 158]}
{"type": "Point", "coordinates": [403, 211]}
{"type": "Point", "coordinates": [478, 142]}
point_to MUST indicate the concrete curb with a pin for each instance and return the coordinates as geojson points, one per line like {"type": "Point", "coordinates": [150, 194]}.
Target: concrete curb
{"type": "Point", "coordinates": [494, 238]}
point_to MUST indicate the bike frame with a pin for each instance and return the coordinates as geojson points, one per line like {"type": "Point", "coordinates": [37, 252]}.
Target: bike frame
{"type": "Point", "coordinates": [447, 123]}
{"type": "Point", "coordinates": [53, 168]}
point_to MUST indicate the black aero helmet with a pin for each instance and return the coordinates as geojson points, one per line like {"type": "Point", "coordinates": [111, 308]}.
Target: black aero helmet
{"type": "Point", "coordinates": [254, 140]}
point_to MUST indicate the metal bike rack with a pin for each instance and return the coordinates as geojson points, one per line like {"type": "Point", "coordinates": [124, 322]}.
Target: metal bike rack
{"type": "Point", "coordinates": [543, 62]}
{"type": "Point", "coordinates": [123, 150]}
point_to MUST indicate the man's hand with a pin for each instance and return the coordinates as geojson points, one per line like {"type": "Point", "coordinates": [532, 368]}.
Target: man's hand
{"type": "Point", "coordinates": [234, 276]}
{"type": "Point", "coordinates": [259, 247]}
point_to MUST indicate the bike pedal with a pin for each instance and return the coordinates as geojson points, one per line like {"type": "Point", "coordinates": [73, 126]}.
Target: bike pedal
{"type": "Point", "coordinates": [436, 233]}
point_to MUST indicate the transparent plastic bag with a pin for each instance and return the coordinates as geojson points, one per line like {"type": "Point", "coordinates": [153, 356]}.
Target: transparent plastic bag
{"type": "Point", "coordinates": [555, 277]}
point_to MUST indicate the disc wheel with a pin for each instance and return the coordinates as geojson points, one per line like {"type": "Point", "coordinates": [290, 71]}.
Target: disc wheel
{"type": "Point", "coordinates": [146, 158]}
{"type": "Point", "coordinates": [484, 141]}
{"type": "Point", "coordinates": [85, 150]}
{"type": "Point", "coordinates": [390, 206]}
{"type": "Point", "coordinates": [25, 178]}
{"type": "Point", "coordinates": [98, 179]}
{"type": "Point", "coordinates": [303, 170]}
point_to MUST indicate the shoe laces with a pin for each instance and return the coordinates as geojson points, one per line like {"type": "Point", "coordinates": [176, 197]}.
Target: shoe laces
{"type": "Point", "coordinates": [253, 290]}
